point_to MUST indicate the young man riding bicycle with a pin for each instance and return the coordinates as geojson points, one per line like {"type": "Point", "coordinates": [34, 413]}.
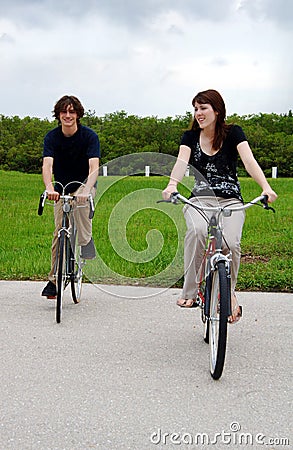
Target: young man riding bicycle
{"type": "Point", "coordinates": [71, 153]}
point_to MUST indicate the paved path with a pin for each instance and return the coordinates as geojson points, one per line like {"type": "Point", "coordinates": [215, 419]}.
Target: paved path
{"type": "Point", "coordinates": [131, 372]}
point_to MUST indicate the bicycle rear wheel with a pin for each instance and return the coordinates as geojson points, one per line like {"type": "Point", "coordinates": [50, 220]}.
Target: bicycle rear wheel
{"type": "Point", "coordinates": [75, 269]}
{"type": "Point", "coordinates": [61, 275]}
{"type": "Point", "coordinates": [218, 318]}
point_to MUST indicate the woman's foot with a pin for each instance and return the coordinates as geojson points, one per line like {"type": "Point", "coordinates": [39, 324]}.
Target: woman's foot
{"type": "Point", "coordinates": [186, 303]}
{"type": "Point", "coordinates": [236, 311]}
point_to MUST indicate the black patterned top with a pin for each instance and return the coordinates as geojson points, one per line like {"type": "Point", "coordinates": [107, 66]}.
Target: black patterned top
{"type": "Point", "coordinates": [216, 174]}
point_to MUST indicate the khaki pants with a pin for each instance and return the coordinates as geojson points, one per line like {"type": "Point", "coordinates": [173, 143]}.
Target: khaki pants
{"type": "Point", "coordinates": [83, 225]}
{"type": "Point", "coordinates": [195, 241]}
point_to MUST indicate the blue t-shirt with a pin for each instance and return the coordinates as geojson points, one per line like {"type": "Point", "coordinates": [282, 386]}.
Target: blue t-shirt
{"type": "Point", "coordinates": [71, 154]}
{"type": "Point", "coordinates": [216, 174]}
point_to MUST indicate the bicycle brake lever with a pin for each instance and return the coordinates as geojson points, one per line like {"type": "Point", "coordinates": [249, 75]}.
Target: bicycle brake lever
{"type": "Point", "coordinates": [42, 203]}
{"type": "Point", "coordinates": [269, 207]}
{"type": "Point", "coordinates": [92, 207]}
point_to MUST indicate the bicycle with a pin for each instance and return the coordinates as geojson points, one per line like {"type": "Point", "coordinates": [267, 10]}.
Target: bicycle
{"type": "Point", "coordinates": [69, 262]}
{"type": "Point", "coordinates": [214, 292]}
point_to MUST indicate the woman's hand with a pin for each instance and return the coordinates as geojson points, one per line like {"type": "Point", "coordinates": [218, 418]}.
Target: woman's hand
{"type": "Point", "coordinates": [166, 194]}
{"type": "Point", "coordinates": [272, 196]}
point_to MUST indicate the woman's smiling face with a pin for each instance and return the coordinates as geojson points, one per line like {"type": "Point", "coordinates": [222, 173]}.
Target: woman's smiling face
{"type": "Point", "coordinates": [204, 114]}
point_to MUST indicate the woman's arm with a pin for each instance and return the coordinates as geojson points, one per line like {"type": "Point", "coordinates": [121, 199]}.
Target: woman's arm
{"type": "Point", "coordinates": [178, 171]}
{"type": "Point", "coordinates": [252, 167]}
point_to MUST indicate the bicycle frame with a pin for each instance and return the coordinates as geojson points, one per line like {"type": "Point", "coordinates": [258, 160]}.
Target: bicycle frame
{"type": "Point", "coordinates": [213, 254]}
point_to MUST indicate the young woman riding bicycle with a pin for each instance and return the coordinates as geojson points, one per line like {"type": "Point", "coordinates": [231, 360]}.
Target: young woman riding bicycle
{"type": "Point", "coordinates": [212, 147]}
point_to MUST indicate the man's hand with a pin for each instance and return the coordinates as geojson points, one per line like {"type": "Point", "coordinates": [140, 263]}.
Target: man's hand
{"type": "Point", "coordinates": [83, 196]}
{"type": "Point", "coordinates": [52, 195]}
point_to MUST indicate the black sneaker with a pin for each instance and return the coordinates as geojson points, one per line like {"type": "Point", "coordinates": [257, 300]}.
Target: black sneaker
{"type": "Point", "coordinates": [50, 290]}
{"type": "Point", "coordinates": [88, 251]}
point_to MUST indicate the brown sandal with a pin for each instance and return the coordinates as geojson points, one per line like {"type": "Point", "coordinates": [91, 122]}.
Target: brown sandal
{"type": "Point", "coordinates": [187, 303]}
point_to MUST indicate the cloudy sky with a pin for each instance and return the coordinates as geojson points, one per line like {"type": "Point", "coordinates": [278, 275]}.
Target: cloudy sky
{"type": "Point", "coordinates": [147, 57]}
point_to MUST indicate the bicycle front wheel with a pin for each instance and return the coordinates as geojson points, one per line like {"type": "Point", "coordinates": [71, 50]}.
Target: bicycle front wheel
{"type": "Point", "coordinates": [218, 318]}
{"type": "Point", "coordinates": [206, 308]}
{"type": "Point", "coordinates": [61, 275]}
{"type": "Point", "coordinates": [76, 269]}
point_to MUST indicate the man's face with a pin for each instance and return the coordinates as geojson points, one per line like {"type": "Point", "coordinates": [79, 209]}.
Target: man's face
{"type": "Point", "coordinates": [68, 117]}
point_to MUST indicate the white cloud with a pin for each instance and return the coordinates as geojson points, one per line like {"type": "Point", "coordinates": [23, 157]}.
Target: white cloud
{"type": "Point", "coordinates": [148, 58]}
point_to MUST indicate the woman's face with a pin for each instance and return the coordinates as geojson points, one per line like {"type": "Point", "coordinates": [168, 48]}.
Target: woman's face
{"type": "Point", "coordinates": [205, 115]}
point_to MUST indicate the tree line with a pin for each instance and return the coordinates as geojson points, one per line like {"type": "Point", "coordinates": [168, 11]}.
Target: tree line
{"type": "Point", "coordinates": [270, 137]}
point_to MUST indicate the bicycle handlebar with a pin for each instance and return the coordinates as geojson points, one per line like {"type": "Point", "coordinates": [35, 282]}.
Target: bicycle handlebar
{"type": "Point", "coordinates": [175, 196]}
{"type": "Point", "coordinates": [68, 197]}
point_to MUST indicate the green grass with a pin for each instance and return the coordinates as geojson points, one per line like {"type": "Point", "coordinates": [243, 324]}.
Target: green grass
{"type": "Point", "coordinates": [139, 241]}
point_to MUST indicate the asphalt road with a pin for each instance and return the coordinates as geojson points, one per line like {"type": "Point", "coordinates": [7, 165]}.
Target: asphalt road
{"type": "Point", "coordinates": [127, 369]}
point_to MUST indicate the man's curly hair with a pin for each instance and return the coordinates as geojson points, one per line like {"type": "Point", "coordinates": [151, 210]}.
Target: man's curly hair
{"type": "Point", "coordinates": [65, 101]}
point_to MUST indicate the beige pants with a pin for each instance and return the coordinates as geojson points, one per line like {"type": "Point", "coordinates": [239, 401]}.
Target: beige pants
{"type": "Point", "coordinates": [195, 242]}
{"type": "Point", "coordinates": [83, 225]}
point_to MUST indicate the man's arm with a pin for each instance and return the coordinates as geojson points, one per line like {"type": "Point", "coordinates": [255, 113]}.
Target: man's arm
{"type": "Point", "coordinates": [47, 173]}
{"type": "Point", "coordinates": [93, 173]}
{"type": "Point", "coordinates": [92, 178]}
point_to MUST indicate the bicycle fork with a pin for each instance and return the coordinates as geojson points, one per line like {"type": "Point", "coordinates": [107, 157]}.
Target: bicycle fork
{"type": "Point", "coordinates": [205, 302]}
